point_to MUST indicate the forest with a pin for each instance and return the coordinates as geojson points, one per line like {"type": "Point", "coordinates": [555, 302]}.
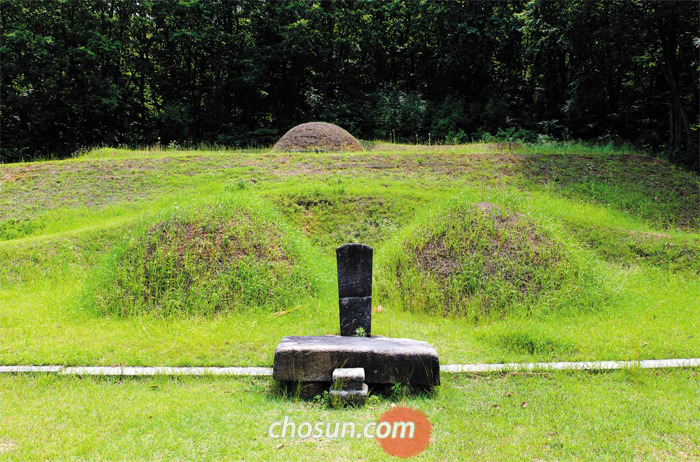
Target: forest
{"type": "Point", "coordinates": [79, 74]}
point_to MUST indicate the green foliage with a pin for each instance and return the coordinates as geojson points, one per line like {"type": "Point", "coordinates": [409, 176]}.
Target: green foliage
{"type": "Point", "coordinates": [635, 247]}
{"type": "Point", "coordinates": [449, 121]}
{"type": "Point", "coordinates": [322, 400]}
{"type": "Point", "coordinates": [626, 223]}
{"type": "Point", "coordinates": [531, 343]}
{"type": "Point", "coordinates": [581, 416]}
{"type": "Point", "coordinates": [643, 186]}
{"type": "Point", "coordinates": [136, 73]}
{"type": "Point", "coordinates": [360, 332]}
{"type": "Point", "coordinates": [331, 215]}
{"type": "Point", "coordinates": [400, 391]}
{"type": "Point", "coordinates": [14, 228]}
{"type": "Point", "coordinates": [399, 115]}
{"type": "Point", "coordinates": [201, 259]}
{"type": "Point", "coordinates": [511, 134]}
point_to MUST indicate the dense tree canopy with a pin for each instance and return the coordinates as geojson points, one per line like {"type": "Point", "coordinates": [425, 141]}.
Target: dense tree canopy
{"type": "Point", "coordinates": [136, 72]}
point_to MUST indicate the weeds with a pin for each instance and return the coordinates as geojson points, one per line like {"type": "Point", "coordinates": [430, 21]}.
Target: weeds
{"type": "Point", "coordinates": [360, 332]}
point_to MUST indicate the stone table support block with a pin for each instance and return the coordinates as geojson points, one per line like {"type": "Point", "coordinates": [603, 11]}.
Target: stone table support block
{"type": "Point", "coordinates": [339, 398]}
{"type": "Point", "coordinates": [351, 378]}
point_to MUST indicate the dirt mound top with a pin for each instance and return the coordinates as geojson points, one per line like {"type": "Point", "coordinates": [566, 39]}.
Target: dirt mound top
{"type": "Point", "coordinates": [317, 136]}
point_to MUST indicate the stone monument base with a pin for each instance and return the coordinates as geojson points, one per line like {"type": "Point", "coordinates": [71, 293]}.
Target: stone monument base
{"type": "Point", "coordinates": [310, 362]}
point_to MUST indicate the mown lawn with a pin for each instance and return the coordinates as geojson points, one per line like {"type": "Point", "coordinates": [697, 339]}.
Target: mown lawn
{"type": "Point", "coordinates": [624, 415]}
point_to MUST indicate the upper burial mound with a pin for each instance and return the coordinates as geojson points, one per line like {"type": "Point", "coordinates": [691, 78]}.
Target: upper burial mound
{"type": "Point", "coordinates": [317, 136]}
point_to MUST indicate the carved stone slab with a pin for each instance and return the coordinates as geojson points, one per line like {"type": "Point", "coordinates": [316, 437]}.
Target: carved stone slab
{"type": "Point", "coordinates": [385, 360]}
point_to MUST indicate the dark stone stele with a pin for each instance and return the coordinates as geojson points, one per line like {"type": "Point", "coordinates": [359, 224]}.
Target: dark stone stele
{"type": "Point", "coordinates": [312, 360]}
{"type": "Point", "coordinates": [355, 288]}
{"type": "Point", "coordinates": [355, 312]}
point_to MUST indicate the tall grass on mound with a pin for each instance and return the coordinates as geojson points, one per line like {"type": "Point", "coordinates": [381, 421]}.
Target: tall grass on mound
{"type": "Point", "coordinates": [482, 260]}
{"type": "Point", "coordinates": [202, 259]}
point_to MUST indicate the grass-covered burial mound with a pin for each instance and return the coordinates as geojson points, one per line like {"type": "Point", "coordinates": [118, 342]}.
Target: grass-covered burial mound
{"type": "Point", "coordinates": [480, 260]}
{"type": "Point", "coordinates": [317, 136]}
{"type": "Point", "coordinates": [201, 259]}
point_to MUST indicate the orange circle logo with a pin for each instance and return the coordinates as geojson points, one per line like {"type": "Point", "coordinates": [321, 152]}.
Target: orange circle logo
{"type": "Point", "coordinates": [403, 432]}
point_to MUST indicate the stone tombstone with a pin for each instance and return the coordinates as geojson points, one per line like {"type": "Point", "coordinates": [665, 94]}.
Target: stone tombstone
{"type": "Point", "coordinates": [355, 288]}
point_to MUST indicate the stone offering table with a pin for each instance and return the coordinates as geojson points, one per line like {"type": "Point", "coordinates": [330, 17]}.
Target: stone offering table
{"type": "Point", "coordinates": [386, 361]}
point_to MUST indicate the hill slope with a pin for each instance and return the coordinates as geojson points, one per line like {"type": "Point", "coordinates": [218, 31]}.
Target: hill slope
{"type": "Point", "coordinates": [586, 254]}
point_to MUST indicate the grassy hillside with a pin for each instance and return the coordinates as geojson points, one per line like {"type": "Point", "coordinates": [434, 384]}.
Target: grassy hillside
{"type": "Point", "coordinates": [220, 254]}
{"type": "Point", "coordinates": [588, 254]}
{"type": "Point", "coordinates": [489, 252]}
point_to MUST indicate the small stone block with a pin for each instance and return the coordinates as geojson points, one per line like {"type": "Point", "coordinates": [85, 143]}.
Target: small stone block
{"type": "Point", "coordinates": [351, 378]}
{"type": "Point", "coordinates": [339, 398]}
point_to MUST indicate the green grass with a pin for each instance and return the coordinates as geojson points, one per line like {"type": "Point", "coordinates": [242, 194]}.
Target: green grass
{"type": "Point", "coordinates": [322, 200]}
{"type": "Point", "coordinates": [340, 211]}
{"type": "Point", "coordinates": [625, 415]}
{"type": "Point", "coordinates": [621, 281]}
